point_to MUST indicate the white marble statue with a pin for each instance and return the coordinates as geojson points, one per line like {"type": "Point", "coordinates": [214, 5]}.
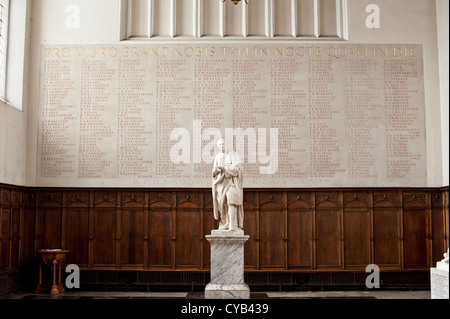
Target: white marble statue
{"type": "Point", "coordinates": [445, 260]}
{"type": "Point", "coordinates": [227, 189]}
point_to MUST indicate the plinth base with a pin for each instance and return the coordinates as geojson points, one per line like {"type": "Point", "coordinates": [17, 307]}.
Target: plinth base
{"type": "Point", "coordinates": [439, 281]}
{"type": "Point", "coordinates": [240, 291]}
{"type": "Point", "coordinates": [201, 295]}
{"type": "Point", "coordinates": [227, 265]}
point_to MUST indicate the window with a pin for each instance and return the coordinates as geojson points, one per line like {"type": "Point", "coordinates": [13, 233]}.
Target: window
{"type": "Point", "coordinates": [261, 19]}
{"type": "Point", "coordinates": [4, 14]}
{"type": "Point", "coordinates": [13, 56]}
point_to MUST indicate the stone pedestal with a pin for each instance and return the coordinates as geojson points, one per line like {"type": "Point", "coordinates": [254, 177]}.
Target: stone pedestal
{"type": "Point", "coordinates": [439, 281]}
{"type": "Point", "coordinates": [227, 265]}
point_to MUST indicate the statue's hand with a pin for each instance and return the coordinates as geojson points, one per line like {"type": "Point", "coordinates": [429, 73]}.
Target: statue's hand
{"type": "Point", "coordinates": [217, 170]}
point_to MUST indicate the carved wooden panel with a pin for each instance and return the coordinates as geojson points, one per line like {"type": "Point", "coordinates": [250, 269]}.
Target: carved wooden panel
{"type": "Point", "coordinates": [250, 198]}
{"type": "Point", "coordinates": [209, 223]}
{"type": "Point", "coordinates": [275, 197]}
{"type": "Point", "coordinates": [294, 230]}
{"type": "Point", "coordinates": [136, 199]}
{"type": "Point", "coordinates": [356, 238]}
{"type": "Point", "coordinates": [329, 199]}
{"type": "Point", "coordinates": [299, 233]}
{"type": "Point", "coordinates": [386, 233]}
{"type": "Point", "coordinates": [193, 197]}
{"type": "Point", "coordinates": [5, 197]}
{"type": "Point", "coordinates": [27, 231]}
{"type": "Point", "coordinates": [50, 199]}
{"type": "Point", "coordinates": [208, 201]}
{"type": "Point", "coordinates": [78, 199]}
{"type": "Point", "coordinates": [303, 197]}
{"type": "Point", "coordinates": [162, 198]}
{"type": "Point", "coordinates": [105, 199]}
{"type": "Point", "coordinates": [271, 235]}
{"type": "Point", "coordinates": [356, 199]}
{"type": "Point", "coordinates": [4, 232]}
{"type": "Point", "coordinates": [445, 201]}
{"type": "Point", "coordinates": [104, 240]}
{"type": "Point", "coordinates": [188, 234]}
{"type": "Point", "coordinates": [48, 227]}
{"type": "Point", "coordinates": [77, 233]}
{"type": "Point", "coordinates": [414, 199]}
{"type": "Point", "coordinates": [160, 238]}
{"type": "Point", "coordinates": [385, 199]}
{"type": "Point", "coordinates": [300, 230]}
{"type": "Point", "coordinates": [438, 232]}
{"type": "Point", "coordinates": [415, 238]}
{"type": "Point", "coordinates": [327, 238]}
{"type": "Point", "coordinates": [17, 198]}
{"type": "Point", "coordinates": [15, 236]}
{"type": "Point", "coordinates": [251, 251]}
{"type": "Point", "coordinates": [131, 236]}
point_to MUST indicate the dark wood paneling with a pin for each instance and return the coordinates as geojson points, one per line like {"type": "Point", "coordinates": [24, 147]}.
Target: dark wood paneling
{"type": "Point", "coordinates": [27, 229]}
{"type": "Point", "coordinates": [251, 251]}
{"type": "Point", "coordinates": [415, 236]}
{"type": "Point", "coordinates": [132, 229]}
{"type": "Point", "coordinates": [4, 239]}
{"type": "Point", "coordinates": [15, 235]}
{"type": "Point", "coordinates": [5, 222]}
{"type": "Point", "coordinates": [188, 236]}
{"type": "Point", "coordinates": [299, 244]}
{"type": "Point", "coordinates": [208, 224]}
{"type": "Point", "coordinates": [416, 229]}
{"type": "Point", "coordinates": [299, 231]}
{"type": "Point", "coordinates": [290, 230]}
{"type": "Point", "coordinates": [437, 227]}
{"type": "Point", "coordinates": [271, 236]}
{"type": "Point", "coordinates": [132, 234]}
{"type": "Point", "coordinates": [356, 234]}
{"type": "Point", "coordinates": [104, 247]}
{"type": "Point", "coordinates": [160, 235]}
{"type": "Point", "coordinates": [446, 217]}
{"type": "Point", "coordinates": [77, 235]}
{"type": "Point", "coordinates": [327, 231]}
{"type": "Point", "coordinates": [48, 228]}
{"type": "Point", "coordinates": [16, 228]}
{"type": "Point", "coordinates": [357, 229]}
{"type": "Point", "coordinates": [327, 238]}
{"type": "Point", "coordinates": [386, 236]}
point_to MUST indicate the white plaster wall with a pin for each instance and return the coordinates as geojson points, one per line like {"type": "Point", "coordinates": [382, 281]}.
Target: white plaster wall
{"type": "Point", "coordinates": [442, 27]}
{"type": "Point", "coordinates": [99, 23]}
{"type": "Point", "coordinates": [12, 145]}
{"type": "Point", "coordinates": [409, 21]}
{"type": "Point", "coordinates": [402, 22]}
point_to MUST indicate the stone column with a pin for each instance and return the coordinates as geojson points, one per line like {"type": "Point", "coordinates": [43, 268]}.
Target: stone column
{"type": "Point", "coordinates": [227, 265]}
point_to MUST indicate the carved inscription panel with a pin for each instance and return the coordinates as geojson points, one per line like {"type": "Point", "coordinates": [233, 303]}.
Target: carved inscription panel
{"type": "Point", "coordinates": [302, 116]}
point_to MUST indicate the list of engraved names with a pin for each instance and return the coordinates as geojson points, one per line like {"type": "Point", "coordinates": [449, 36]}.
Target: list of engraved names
{"type": "Point", "coordinates": [347, 115]}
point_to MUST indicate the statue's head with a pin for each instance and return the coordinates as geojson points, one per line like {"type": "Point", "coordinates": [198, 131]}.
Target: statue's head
{"type": "Point", "coordinates": [221, 145]}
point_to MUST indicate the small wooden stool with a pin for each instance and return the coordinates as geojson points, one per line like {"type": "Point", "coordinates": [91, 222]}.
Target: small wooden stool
{"type": "Point", "coordinates": [52, 258]}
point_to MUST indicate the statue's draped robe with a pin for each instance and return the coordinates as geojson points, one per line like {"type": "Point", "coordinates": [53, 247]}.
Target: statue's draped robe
{"type": "Point", "coordinates": [227, 188]}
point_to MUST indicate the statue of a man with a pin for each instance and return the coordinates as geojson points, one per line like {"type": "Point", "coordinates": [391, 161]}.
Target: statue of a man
{"type": "Point", "coordinates": [227, 189]}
